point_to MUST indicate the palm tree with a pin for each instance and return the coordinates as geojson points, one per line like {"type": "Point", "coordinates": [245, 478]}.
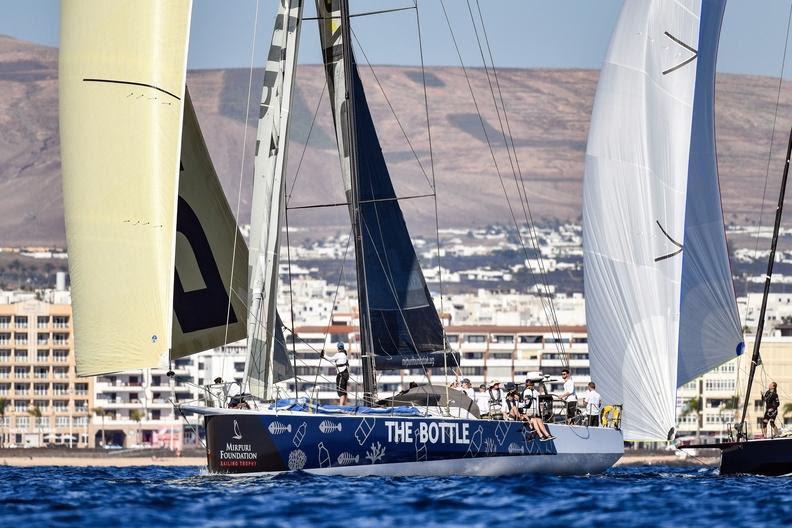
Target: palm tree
{"type": "Point", "coordinates": [136, 415]}
{"type": "Point", "coordinates": [35, 412]}
{"type": "Point", "coordinates": [693, 406]}
{"type": "Point", "coordinates": [4, 402]}
{"type": "Point", "coordinates": [99, 411]}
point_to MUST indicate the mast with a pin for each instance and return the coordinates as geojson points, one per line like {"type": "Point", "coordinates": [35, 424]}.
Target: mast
{"type": "Point", "coordinates": [741, 432]}
{"type": "Point", "coordinates": [366, 343]}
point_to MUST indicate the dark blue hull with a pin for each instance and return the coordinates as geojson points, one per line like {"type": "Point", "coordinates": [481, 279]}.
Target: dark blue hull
{"type": "Point", "coordinates": [242, 443]}
{"type": "Point", "coordinates": [758, 457]}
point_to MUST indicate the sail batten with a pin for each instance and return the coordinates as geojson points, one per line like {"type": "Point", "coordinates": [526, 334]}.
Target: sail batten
{"type": "Point", "coordinates": [121, 82]}
{"type": "Point", "coordinates": [659, 296]}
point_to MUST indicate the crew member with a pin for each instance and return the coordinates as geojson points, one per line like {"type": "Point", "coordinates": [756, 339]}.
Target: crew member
{"type": "Point", "coordinates": [531, 409]}
{"type": "Point", "coordinates": [592, 401]}
{"type": "Point", "coordinates": [569, 395]}
{"type": "Point", "coordinates": [467, 388]}
{"type": "Point", "coordinates": [482, 400]}
{"type": "Point", "coordinates": [342, 367]}
{"type": "Point", "coordinates": [497, 401]}
{"type": "Point", "coordinates": [771, 410]}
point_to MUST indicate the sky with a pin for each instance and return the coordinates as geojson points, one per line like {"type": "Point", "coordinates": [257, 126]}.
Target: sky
{"type": "Point", "coordinates": [522, 33]}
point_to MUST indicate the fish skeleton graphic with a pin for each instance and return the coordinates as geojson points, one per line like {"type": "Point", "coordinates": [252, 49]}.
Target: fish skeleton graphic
{"type": "Point", "coordinates": [277, 428]}
{"type": "Point", "coordinates": [345, 459]}
{"type": "Point", "coordinates": [328, 426]}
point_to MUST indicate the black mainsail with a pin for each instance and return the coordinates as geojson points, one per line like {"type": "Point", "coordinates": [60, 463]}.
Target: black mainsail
{"type": "Point", "coordinates": [400, 327]}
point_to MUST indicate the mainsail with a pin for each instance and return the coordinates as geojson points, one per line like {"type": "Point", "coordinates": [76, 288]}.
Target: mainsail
{"type": "Point", "coordinates": [405, 329]}
{"type": "Point", "coordinates": [122, 76]}
{"type": "Point", "coordinates": [268, 361]}
{"type": "Point", "coordinates": [660, 304]}
{"type": "Point", "coordinates": [206, 232]}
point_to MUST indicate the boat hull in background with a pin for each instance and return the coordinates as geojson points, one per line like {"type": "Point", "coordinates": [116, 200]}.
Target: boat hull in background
{"type": "Point", "coordinates": [245, 442]}
{"type": "Point", "coordinates": [771, 457]}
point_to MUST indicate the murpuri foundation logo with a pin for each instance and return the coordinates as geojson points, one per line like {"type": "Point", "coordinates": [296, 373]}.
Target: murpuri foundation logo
{"type": "Point", "coordinates": [237, 455]}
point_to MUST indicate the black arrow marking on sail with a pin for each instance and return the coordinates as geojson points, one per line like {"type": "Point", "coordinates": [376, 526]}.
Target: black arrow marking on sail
{"type": "Point", "coordinates": [688, 61]}
{"type": "Point", "coordinates": [677, 244]}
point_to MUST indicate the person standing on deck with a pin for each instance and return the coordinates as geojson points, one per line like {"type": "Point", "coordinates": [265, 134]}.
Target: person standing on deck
{"type": "Point", "coordinates": [772, 403]}
{"type": "Point", "coordinates": [467, 388]}
{"type": "Point", "coordinates": [482, 400]}
{"type": "Point", "coordinates": [342, 367]}
{"type": "Point", "coordinates": [592, 401]}
{"type": "Point", "coordinates": [569, 395]}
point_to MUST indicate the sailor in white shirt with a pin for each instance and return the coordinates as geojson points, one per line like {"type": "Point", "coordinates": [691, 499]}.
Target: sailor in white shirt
{"type": "Point", "coordinates": [341, 361]}
{"type": "Point", "coordinates": [569, 395]}
{"type": "Point", "coordinates": [467, 388]}
{"type": "Point", "coordinates": [482, 399]}
{"type": "Point", "coordinates": [593, 401]}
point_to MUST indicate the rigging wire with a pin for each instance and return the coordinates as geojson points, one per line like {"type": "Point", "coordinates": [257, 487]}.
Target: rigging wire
{"type": "Point", "coordinates": [305, 146]}
{"type": "Point", "coordinates": [767, 169]}
{"type": "Point", "coordinates": [518, 176]}
{"type": "Point", "coordinates": [492, 154]}
{"type": "Point", "coordinates": [241, 174]}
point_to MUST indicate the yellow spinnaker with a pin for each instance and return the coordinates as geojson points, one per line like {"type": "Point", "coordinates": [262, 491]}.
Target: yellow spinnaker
{"type": "Point", "coordinates": [122, 77]}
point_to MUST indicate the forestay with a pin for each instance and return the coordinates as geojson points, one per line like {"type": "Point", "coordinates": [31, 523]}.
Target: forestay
{"type": "Point", "coordinates": [405, 328]}
{"type": "Point", "coordinates": [268, 361]}
{"type": "Point", "coordinates": [660, 303]}
{"type": "Point", "coordinates": [121, 81]}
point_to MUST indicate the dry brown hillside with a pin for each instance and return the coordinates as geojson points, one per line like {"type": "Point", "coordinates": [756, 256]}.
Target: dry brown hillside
{"type": "Point", "coordinates": [548, 113]}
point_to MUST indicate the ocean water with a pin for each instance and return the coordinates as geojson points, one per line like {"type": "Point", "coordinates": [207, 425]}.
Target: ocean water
{"type": "Point", "coordinates": [150, 497]}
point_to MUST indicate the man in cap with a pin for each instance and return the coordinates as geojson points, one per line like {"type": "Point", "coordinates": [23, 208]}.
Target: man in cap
{"type": "Point", "coordinates": [467, 388]}
{"type": "Point", "coordinates": [497, 403]}
{"type": "Point", "coordinates": [341, 362]}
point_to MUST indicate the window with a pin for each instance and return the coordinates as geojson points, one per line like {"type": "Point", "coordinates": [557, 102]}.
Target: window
{"type": "Point", "coordinates": [62, 421]}
{"type": "Point", "coordinates": [5, 355]}
{"type": "Point", "coordinates": [4, 389]}
{"type": "Point", "coordinates": [20, 406]}
{"type": "Point", "coordinates": [5, 338]}
{"type": "Point", "coordinates": [22, 389]}
{"type": "Point", "coordinates": [40, 389]}
{"type": "Point", "coordinates": [500, 355]}
{"type": "Point", "coordinates": [60, 339]}
{"type": "Point", "coordinates": [60, 372]}
{"type": "Point", "coordinates": [43, 421]}
{"type": "Point", "coordinates": [20, 338]}
{"type": "Point", "coordinates": [22, 421]}
{"type": "Point", "coordinates": [239, 366]}
{"type": "Point", "coordinates": [42, 355]}
{"type": "Point", "coordinates": [5, 372]}
{"type": "Point", "coordinates": [472, 355]}
{"type": "Point", "coordinates": [80, 405]}
{"type": "Point", "coordinates": [452, 338]}
{"type": "Point", "coordinates": [60, 405]}
{"type": "Point", "coordinates": [719, 385]}
{"type": "Point", "coordinates": [60, 388]}
{"type": "Point", "coordinates": [81, 389]}
{"type": "Point", "coordinates": [60, 321]}
{"type": "Point", "coordinates": [42, 338]}
{"type": "Point", "coordinates": [21, 354]}
{"type": "Point", "coordinates": [42, 321]}
{"type": "Point", "coordinates": [5, 321]}
{"type": "Point", "coordinates": [21, 372]}
{"type": "Point", "coordinates": [60, 356]}
{"type": "Point", "coordinates": [504, 339]}
{"type": "Point", "coordinates": [475, 339]}
{"type": "Point", "coordinates": [21, 321]}
{"type": "Point", "coordinates": [531, 339]}
{"type": "Point", "coordinates": [41, 372]}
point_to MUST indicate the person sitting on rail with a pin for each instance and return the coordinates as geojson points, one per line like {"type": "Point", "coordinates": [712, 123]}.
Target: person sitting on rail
{"type": "Point", "coordinates": [592, 401]}
{"type": "Point", "coordinates": [342, 367]}
{"type": "Point", "coordinates": [511, 408]}
{"type": "Point", "coordinates": [531, 411]}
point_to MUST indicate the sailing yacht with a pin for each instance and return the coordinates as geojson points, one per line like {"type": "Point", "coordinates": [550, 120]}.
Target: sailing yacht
{"type": "Point", "coordinates": [160, 271]}
{"type": "Point", "coordinates": [660, 303]}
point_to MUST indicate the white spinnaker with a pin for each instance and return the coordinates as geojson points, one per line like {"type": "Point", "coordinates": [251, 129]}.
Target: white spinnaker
{"type": "Point", "coordinates": [121, 82]}
{"type": "Point", "coordinates": [267, 359]}
{"type": "Point", "coordinates": [639, 176]}
{"type": "Point", "coordinates": [206, 232]}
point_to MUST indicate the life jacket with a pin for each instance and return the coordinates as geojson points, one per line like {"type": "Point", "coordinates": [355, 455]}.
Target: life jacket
{"type": "Point", "coordinates": [495, 401]}
{"type": "Point", "coordinates": [610, 415]}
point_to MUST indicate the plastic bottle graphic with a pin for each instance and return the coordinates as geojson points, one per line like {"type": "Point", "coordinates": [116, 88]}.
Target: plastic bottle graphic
{"type": "Point", "coordinates": [421, 452]}
{"type": "Point", "coordinates": [324, 456]}
{"type": "Point", "coordinates": [475, 443]}
{"type": "Point", "coordinates": [298, 436]}
{"type": "Point", "coordinates": [363, 430]}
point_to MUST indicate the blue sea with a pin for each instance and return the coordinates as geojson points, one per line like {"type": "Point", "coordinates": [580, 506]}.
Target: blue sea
{"type": "Point", "coordinates": [149, 497]}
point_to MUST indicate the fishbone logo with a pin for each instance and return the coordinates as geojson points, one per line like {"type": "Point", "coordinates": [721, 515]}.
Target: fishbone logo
{"type": "Point", "coordinates": [237, 434]}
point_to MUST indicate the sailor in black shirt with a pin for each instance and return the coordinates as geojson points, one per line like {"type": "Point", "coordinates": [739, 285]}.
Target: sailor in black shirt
{"type": "Point", "coordinates": [771, 410]}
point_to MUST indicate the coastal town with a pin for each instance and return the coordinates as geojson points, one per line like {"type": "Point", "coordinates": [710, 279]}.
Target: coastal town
{"type": "Point", "coordinates": [493, 306]}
